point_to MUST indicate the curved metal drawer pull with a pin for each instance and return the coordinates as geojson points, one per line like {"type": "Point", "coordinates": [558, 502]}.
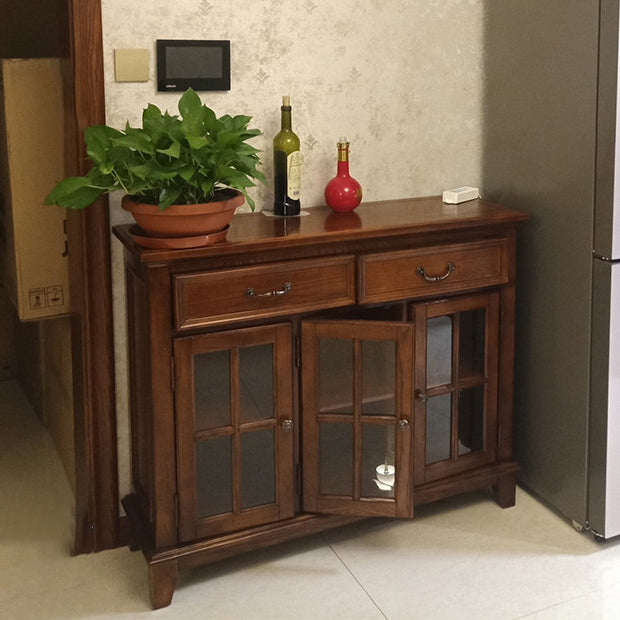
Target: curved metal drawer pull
{"type": "Point", "coordinates": [287, 288]}
{"type": "Point", "coordinates": [420, 271]}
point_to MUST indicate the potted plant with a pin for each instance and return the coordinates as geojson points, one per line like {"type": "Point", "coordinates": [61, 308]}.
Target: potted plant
{"type": "Point", "coordinates": [173, 170]}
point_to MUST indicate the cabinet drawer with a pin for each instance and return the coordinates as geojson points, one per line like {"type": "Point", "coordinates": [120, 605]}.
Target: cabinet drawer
{"type": "Point", "coordinates": [430, 271]}
{"type": "Point", "coordinates": [275, 289]}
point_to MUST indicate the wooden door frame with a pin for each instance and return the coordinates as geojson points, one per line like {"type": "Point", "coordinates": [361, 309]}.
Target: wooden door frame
{"type": "Point", "coordinates": [97, 496]}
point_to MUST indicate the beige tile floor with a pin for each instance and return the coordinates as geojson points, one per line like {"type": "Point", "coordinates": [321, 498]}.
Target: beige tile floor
{"type": "Point", "coordinates": [460, 559]}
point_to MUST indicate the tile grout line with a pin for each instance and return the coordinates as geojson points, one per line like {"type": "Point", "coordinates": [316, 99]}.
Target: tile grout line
{"type": "Point", "coordinates": [354, 577]}
{"type": "Point", "coordinates": [552, 606]}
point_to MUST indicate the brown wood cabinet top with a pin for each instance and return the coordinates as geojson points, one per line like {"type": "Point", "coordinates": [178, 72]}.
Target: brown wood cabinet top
{"type": "Point", "coordinates": [256, 232]}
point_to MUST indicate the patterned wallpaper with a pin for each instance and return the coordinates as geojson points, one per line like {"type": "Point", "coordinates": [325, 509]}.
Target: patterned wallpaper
{"type": "Point", "coordinates": [389, 74]}
{"type": "Point", "coordinates": [402, 79]}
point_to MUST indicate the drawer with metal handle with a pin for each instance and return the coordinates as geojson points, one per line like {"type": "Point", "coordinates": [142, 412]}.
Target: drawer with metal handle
{"type": "Point", "coordinates": [274, 289]}
{"type": "Point", "coordinates": [389, 276]}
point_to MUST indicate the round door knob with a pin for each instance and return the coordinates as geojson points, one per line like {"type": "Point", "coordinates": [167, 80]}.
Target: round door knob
{"type": "Point", "coordinates": [403, 425]}
{"type": "Point", "coordinates": [287, 425]}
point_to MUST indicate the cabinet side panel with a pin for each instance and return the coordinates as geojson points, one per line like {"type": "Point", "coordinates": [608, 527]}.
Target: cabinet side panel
{"type": "Point", "coordinates": [163, 437]}
{"type": "Point", "coordinates": [140, 389]}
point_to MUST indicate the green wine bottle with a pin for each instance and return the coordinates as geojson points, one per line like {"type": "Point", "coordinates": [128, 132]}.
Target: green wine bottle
{"type": "Point", "coordinates": [287, 160]}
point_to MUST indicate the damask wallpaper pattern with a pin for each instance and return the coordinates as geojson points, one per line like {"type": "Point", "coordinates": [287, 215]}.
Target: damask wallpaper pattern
{"type": "Point", "coordinates": [399, 78]}
{"type": "Point", "coordinates": [402, 79]}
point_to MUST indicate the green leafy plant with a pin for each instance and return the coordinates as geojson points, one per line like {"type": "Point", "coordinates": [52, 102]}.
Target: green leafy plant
{"type": "Point", "coordinates": [186, 159]}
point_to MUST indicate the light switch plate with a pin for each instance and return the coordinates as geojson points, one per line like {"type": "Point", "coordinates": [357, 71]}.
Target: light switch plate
{"type": "Point", "coordinates": [131, 65]}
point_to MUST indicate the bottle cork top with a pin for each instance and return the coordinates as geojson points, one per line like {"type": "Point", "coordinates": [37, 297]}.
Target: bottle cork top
{"type": "Point", "coordinates": [286, 100]}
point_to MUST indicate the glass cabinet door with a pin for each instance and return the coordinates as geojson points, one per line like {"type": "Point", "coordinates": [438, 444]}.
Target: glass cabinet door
{"type": "Point", "coordinates": [456, 385]}
{"type": "Point", "coordinates": [357, 413]}
{"type": "Point", "coordinates": [235, 429]}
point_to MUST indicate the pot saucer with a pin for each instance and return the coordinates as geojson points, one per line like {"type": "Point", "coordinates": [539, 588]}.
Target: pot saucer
{"type": "Point", "coordinates": [145, 240]}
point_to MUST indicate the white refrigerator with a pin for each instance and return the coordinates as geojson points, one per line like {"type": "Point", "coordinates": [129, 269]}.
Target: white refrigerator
{"type": "Point", "coordinates": [552, 148]}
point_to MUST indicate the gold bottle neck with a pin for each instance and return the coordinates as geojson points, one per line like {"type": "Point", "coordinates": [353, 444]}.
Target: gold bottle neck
{"type": "Point", "coordinates": [343, 151]}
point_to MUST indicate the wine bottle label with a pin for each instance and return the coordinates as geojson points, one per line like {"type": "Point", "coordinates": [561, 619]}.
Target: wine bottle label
{"type": "Point", "coordinates": [293, 175]}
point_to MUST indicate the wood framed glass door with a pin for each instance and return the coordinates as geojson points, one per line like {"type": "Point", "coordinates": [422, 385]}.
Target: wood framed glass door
{"type": "Point", "coordinates": [357, 417]}
{"type": "Point", "coordinates": [235, 429]}
{"type": "Point", "coordinates": [456, 385]}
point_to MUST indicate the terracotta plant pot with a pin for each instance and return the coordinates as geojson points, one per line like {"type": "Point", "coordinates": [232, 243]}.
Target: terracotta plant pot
{"type": "Point", "coordinates": [184, 220]}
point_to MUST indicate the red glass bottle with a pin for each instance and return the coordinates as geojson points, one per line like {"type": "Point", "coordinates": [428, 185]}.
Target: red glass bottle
{"type": "Point", "coordinates": [343, 192]}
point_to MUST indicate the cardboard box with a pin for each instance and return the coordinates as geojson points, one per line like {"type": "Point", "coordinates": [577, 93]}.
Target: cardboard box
{"type": "Point", "coordinates": [32, 234]}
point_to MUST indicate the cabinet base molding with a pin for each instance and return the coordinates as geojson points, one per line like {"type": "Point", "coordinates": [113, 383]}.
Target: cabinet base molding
{"type": "Point", "coordinates": [163, 565]}
{"type": "Point", "coordinates": [500, 477]}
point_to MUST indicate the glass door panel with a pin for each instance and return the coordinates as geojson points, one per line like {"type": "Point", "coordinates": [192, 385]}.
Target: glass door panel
{"type": "Point", "coordinates": [378, 377]}
{"type": "Point", "coordinates": [439, 345]}
{"type": "Point", "coordinates": [212, 389]}
{"type": "Point", "coordinates": [256, 382]}
{"type": "Point", "coordinates": [336, 458]}
{"type": "Point", "coordinates": [471, 420]}
{"type": "Point", "coordinates": [336, 376]}
{"type": "Point", "coordinates": [354, 400]}
{"type": "Point", "coordinates": [258, 471]}
{"type": "Point", "coordinates": [235, 429]}
{"type": "Point", "coordinates": [472, 342]}
{"type": "Point", "coordinates": [438, 428]}
{"type": "Point", "coordinates": [214, 485]}
{"type": "Point", "coordinates": [378, 466]}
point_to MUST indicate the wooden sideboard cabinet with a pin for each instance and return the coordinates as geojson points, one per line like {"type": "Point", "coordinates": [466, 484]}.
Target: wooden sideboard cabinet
{"type": "Point", "coordinates": [311, 371]}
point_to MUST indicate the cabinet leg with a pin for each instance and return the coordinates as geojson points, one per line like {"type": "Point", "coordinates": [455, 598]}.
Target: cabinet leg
{"type": "Point", "coordinates": [162, 581]}
{"type": "Point", "coordinates": [504, 491]}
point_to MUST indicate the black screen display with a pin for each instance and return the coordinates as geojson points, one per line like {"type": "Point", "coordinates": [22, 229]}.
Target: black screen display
{"type": "Point", "coordinates": [193, 62]}
{"type": "Point", "coordinates": [201, 65]}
